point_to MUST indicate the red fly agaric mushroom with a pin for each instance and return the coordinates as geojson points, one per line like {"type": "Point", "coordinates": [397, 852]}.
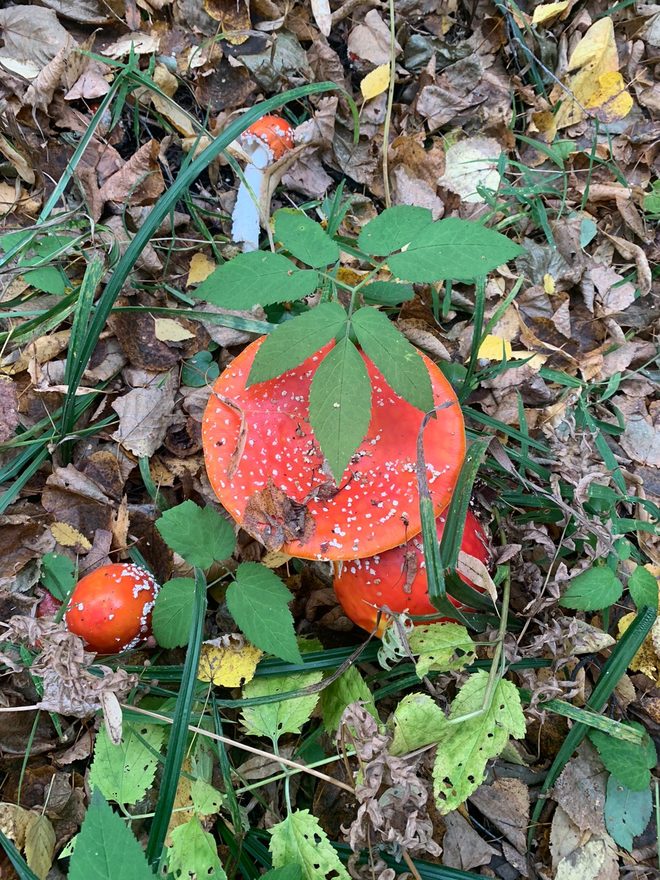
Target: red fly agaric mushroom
{"type": "Point", "coordinates": [263, 143]}
{"type": "Point", "coordinates": [110, 608]}
{"type": "Point", "coordinates": [397, 578]}
{"type": "Point", "coordinates": [268, 471]}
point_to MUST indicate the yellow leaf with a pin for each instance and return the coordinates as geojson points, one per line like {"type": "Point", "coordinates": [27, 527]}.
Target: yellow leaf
{"type": "Point", "coordinates": [548, 283]}
{"type": "Point", "coordinates": [494, 348]}
{"type": "Point", "coordinates": [14, 821]}
{"type": "Point", "coordinates": [200, 269]}
{"type": "Point", "coordinates": [593, 59]}
{"type": "Point", "coordinates": [67, 536]}
{"type": "Point", "coordinates": [646, 659]}
{"type": "Point", "coordinates": [39, 845]}
{"type": "Point", "coordinates": [275, 558]}
{"type": "Point", "coordinates": [168, 330]}
{"type": "Point", "coordinates": [228, 666]}
{"type": "Point", "coordinates": [547, 11]}
{"type": "Point", "coordinates": [376, 82]}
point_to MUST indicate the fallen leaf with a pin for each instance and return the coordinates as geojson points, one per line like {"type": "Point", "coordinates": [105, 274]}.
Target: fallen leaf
{"type": "Point", "coordinates": [167, 106]}
{"type": "Point", "coordinates": [67, 536]}
{"type": "Point", "coordinates": [169, 330]}
{"type": "Point", "coordinates": [322, 16]}
{"type": "Point", "coordinates": [580, 790]}
{"type": "Point", "coordinates": [200, 269]}
{"type": "Point", "coordinates": [39, 845]}
{"type": "Point", "coordinates": [506, 804]}
{"type": "Point", "coordinates": [548, 11]}
{"type": "Point", "coordinates": [376, 82]}
{"type": "Point", "coordinates": [145, 414]}
{"type": "Point", "coordinates": [646, 660]}
{"type": "Point", "coordinates": [139, 44]}
{"type": "Point", "coordinates": [370, 41]}
{"type": "Point", "coordinates": [139, 181]}
{"type": "Point", "coordinates": [462, 847]}
{"type": "Point", "coordinates": [472, 163]}
{"type": "Point", "coordinates": [234, 17]}
{"type": "Point", "coordinates": [8, 409]}
{"type": "Point", "coordinates": [494, 348]}
{"type": "Point", "coordinates": [228, 666]}
{"type": "Point", "coordinates": [32, 36]}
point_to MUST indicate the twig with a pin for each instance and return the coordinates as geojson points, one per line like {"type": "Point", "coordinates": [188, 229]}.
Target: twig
{"type": "Point", "coordinates": [277, 759]}
{"type": "Point", "coordinates": [388, 113]}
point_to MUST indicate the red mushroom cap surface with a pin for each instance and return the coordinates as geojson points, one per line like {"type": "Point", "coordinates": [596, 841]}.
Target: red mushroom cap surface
{"type": "Point", "coordinates": [111, 607]}
{"type": "Point", "coordinates": [273, 131]}
{"type": "Point", "coordinates": [397, 578]}
{"type": "Point", "coordinates": [266, 467]}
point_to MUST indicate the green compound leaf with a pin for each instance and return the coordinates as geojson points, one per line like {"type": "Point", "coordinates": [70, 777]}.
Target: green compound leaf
{"type": "Point", "coordinates": [627, 812]}
{"type": "Point", "coordinates": [465, 747]}
{"type": "Point", "coordinates": [124, 772]}
{"type": "Point", "coordinates": [441, 647]}
{"type": "Point", "coordinates": [105, 847]}
{"type": "Point", "coordinates": [592, 590]}
{"type": "Point", "coordinates": [193, 853]}
{"type": "Point", "coordinates": [259, 603]}
{"type": "Point", "coordinates": [257, 278]}
{"type": "Point", "coordinates": [349, 688]}
{"type": "Point", "coordinates": [288, 872]}
{"type": "Point", "coordinates": [294, 341]}
{"type": "Point", "coordinates": [305, 239]}
{"type": "Point", "coordinates": [399, 361]}
{"type": "Point", "coordinates": [452, 249]}
{"type": "Point", "coordinates": [199, 534]}
{"type": "Point", "coordinates": [387, 293]}
{"type": "Point", "coordinates": [643, 587]}
{"type": "Point", "coordinates": [284, 716]}
{"type": "Point", "coordinates": [629, 763]}
{"type": "Point", "coordinates": [172, 614]}
{"type": "Point", "coordinates": [393, 229]}
{"type": "Point", "coordinates": [300, 840]}
{"type": "Point", "coordinates": [418, 721]}
{"type": "Point", "coordinates": [340, 405]}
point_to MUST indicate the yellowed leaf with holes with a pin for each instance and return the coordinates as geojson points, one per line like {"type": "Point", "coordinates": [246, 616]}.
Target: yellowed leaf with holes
{"type": "Point", "coordinates": [592, 62]}
{"type": "Point", "coordinates": [548, 11]}
{"type": "Point", "coordinates": [375, 82]}
{"type": "Point", "coordinates": [169, 330]}
{"type": "Point", "coordinates": [228, 667]}
{"type": "Point", "coordinates": [494, 348]}
{"type": "Point", "coordinates": [200, 269]}
{"type": "Point", "coordinates": [646, 659]}
{"type": "Point", "coordinates": [67, 536]}
{"type": "Point", "coordinates": [39, 845]}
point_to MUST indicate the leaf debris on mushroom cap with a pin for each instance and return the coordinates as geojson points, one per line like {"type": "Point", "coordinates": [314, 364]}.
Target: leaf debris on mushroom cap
{"type": "Point", "coordinates": [374, 507]}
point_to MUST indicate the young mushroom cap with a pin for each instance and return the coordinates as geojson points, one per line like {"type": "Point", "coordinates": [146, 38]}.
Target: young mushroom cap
{"type": "Point", "coordinates": [397, 578]}
{"type": "Point", "coordinates": [273, 131]}
{"type": "Point", "coordinates": [111, 607]}
{"type": "Point", "coordinates": [266, 467]}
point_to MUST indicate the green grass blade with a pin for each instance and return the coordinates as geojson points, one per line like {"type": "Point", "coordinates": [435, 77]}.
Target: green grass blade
{"type": "Point", "coordinates": [460, 501]}
{"type": "Point", "coordinates": [178, 739]}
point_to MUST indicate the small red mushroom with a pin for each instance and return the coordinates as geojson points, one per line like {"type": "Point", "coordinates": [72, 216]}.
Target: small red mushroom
{"type": "Point", "coordinates": [397, 578]}
{"type": "Point", "coordinates": [263, 143]}
{"type": "Point", "coordinates": [268, 471]}
{"type": "Point", "coordinates": [110, 608]}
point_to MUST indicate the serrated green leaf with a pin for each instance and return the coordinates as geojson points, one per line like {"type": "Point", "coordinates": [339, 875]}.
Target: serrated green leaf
{"type": "Point", "coordinates": [393, 229]}
{"type": "Point", "coordinates": [287, 872]}
{"type": "Point", "coordinates": [465, 747]}
{"type": "Point", "coordinates": [340, 405]}
{"type": "Point", "coordinates": [172, 614]}
{"type": "Point", "coordinates": [300, 840]}
{"type": "Point", "coordinates": [441, 647]}
{"type": "Point", "coordinates": [349, 688]}
{"type": "Point", "coordinates": [629, 763]}
{"type": "Point", "coordinates": [627, 812]}
{"type": "Point", "coordinates": [418, 721]}
{"type": "Point", "coordinates": [105, 848]}
{"type": "Point", "coordinates": [592, 590]}
{"type": "Point", "coordinates": [452, 249]}
{"type": "Point", "coordinates": [124, 772]}
{"type": "Point", "coordinates": [643, 587]}
{"type": "Point", "coordinates": [294, 341]}
{"type": "Point", "coordinates": [399, 361]}
{"type": "Point", "coordinates": [193, 853]}
{"type": "Point", "coordinates": [58, 575]}
{"type": "Point", "coordinates": [199, 534]}
{"type": "Point", "coordinates": [257, 278]}
{"type": "Point", "coordinates": [387, 293]}
{"type": "Point", "coordinates": [305, 239]}
{"type": "Point", "coordinates": [284, 716]}
{"type": "Point", "coordinates": [48, 279]}
{"type": "Point", "coordinates": [206, 800]}
{"type": "Point", "coordinates": [259, 603]}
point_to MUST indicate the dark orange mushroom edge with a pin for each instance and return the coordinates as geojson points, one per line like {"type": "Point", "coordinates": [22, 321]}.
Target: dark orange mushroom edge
{"type": "Point", "coordinates": [397, 579]}
{"type": "Point", "coordinates": [273, 131]}
{"type": "Point", "coordinates": [267, 469]}
{"type": "Point", "coordinates": [110, 608]}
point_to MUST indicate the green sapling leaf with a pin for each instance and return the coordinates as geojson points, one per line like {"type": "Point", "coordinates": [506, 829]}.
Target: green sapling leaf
{"type": "Point", "coordinates": [592, 590]}
{"type": "Point", "coordinates": [257, 278]}
{"type": "Point", "coordinates": [199, 534]}
{"type": "Point", "coordinates": [393, 229]}
{"type": "Point", "coordinates": [305, 239]}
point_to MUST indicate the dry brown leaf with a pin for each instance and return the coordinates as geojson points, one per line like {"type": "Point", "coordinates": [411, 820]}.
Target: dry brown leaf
{"type": "Point", "coordinates": [145, 414]}
{"type": "Point", "coordinates": [8, 409]}
{"type": "Point", "coordinates": [580, 790]}
{"type": "Point", "coordinates": [234, 16]}
{"type": "Point", "coordinates": [139, 182]}
{"type": "Point", "coordinates": [472, 163]}
{"type": "Point", "coordinates": [89, 11]}
{"type": "Point", "coordinates": [505, 803]}
{"type": "Point", "coordinates": [139, 44]}
{"type": "Point", "coordinates": [32, 36]}
{"type": "Point", "coordinates": [463, 847]}
{"type": "Point", "coordinates": [370, 41]}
